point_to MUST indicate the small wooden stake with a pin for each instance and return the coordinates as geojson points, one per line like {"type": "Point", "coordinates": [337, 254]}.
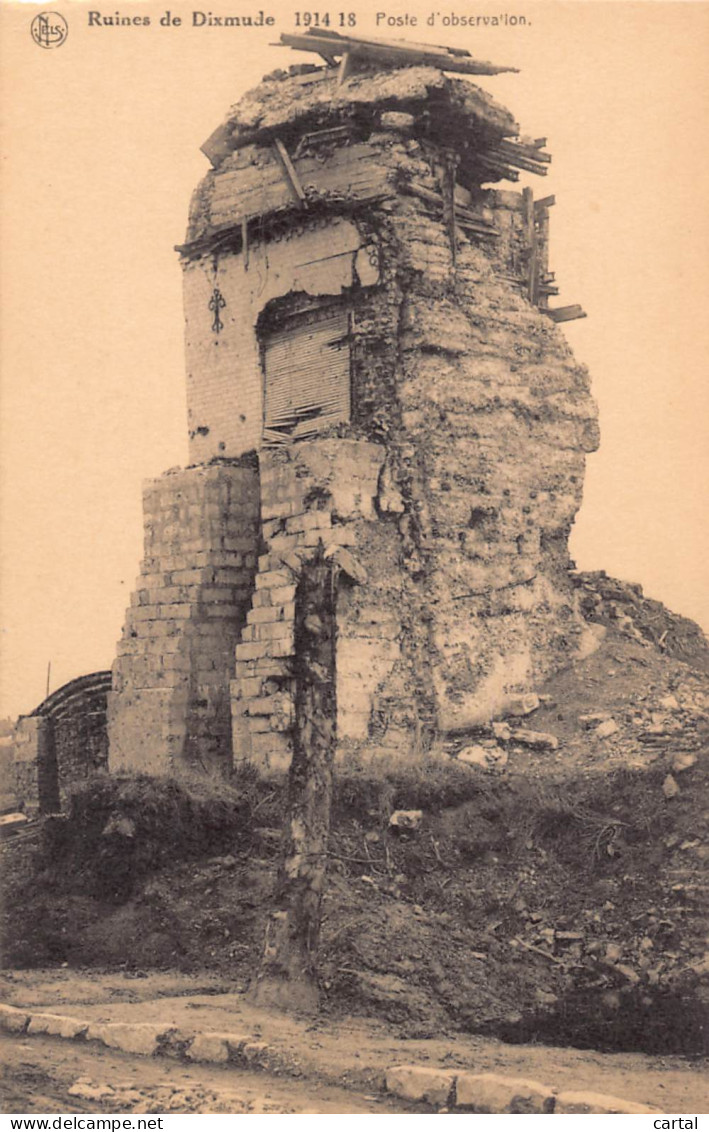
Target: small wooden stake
{"type": "Point", "coordinates": [290, 171]}
{"type": "Point", "coordinates": [345, 68]}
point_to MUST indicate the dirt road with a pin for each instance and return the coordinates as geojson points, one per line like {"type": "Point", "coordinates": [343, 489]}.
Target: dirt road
{"type": "Point", "coordinates": [38, 1074]}
{"type": "Point", "coordinates": [327, 1065]}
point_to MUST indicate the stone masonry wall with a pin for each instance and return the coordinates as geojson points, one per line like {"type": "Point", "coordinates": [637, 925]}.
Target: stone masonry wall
{"type": "Point", "coordinates": [78, 719]}
{"type": "Point", "coordinates": [481, 419]}
{"type": "Point", "coordinates": [35, 767]}
{"type": "Point", "coordinates": [450, 493]}
{"type": "Point", "coordinates": [169, 707]}
{"type": "Point", "coordinates": [62, 743]}
{"type": "Point", "coordinates": [489, 453]}
{"type": "Point", "coordinates": [315, 492]}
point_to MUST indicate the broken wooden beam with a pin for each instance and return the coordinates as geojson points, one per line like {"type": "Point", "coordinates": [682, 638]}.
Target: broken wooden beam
{"type": "Point", "coordinates": [464, 217]}
{"type": "Point", "coordinates": [517, 160]}
{"type": "Point", "coordinates": [334, 134]}
{"type": "Point", "coordinates": [566, 314]}
{"type": "Point", "coordinates": [544, 202]}
{"type": "Point", "coordinates": [331, 45]}
{"type": "Point", "coordinates": [500, 167]}
{"type": "Point", "coordinates": [527, 151]}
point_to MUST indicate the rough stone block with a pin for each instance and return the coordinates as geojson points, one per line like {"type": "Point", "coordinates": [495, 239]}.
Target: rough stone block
{"type": "Point", "coordinates": [276, 509]}
{"type": "Point", "coordinates": [536, 740]}
{"type": "Point", "coordinates": [341, 536]}
{"type": "Point", "coordinates": [268, 705]}
{"type": "Point", "coordinates": [12, 1020]}
{"type": "Point", "coordinates": [315, 537]}
{"type": "Point", "coordinates": [142, 1038]}
{"type": "Point", "coordinates": [271, 579]}
{"type": "Point", "coordinates": [419, 1083]}
{"type": "Point", "coordinates": [310, 521]}
{"type": "Point", "coordinates": [406, 819]}
{"type": "Point", "coordinates": [353, 724]}
{"type": "Point", "coordinates": [283, 595]}
{"type": "Point", "coordinates": [485, 757]}
{"type": "Point", "coordinates": [606, 729]}
{"type": "Point", "coordinates": [274, 631]}
{"type": "Point", "coordinates": [523, 704]}
{"type": "Point", "coordinates": [259, 724]}
{"type": "Point", "coordinates": [254, 1054]}
{"type": "Point", "coordinates": [281, 648]}
{"type": "Point", "coordinates": [570, 1102]}
{"type": "Point", "coordinates": [250, 650]}
{"type": "Point", "coordinates": [489, 1092]}
{"type": "Point", "coordinates": [283, 544]}
{"type": "Point", "coordinates": [214, 1046]}
{"type": "Point", "coordinates": [58, 1025]}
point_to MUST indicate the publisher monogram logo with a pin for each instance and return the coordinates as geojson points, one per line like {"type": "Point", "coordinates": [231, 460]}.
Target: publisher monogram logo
{"type": "Point", "coordinates": [49, 29]}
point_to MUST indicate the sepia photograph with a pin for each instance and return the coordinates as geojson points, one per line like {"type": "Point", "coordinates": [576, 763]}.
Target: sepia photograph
{"type": "Point", "coordinates": [354, 677]}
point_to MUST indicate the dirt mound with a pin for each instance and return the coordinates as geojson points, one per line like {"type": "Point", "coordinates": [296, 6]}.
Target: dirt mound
{"type": "Point", "coordinates": [558, 895]}
{"type": "Point", "coordinates": [624, 606]}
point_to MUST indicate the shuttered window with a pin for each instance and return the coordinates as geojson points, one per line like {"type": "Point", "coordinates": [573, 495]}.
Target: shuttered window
{"type": "Point", "coordinates": [307, 376]}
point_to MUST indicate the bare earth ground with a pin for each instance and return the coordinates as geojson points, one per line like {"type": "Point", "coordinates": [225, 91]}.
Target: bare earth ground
{"type": "Point", "coordinates": [332, 1065]}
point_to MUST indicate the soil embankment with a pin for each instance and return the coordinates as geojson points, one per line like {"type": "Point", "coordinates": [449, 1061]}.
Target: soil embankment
{"type": "Point", "coordinates": [550, 895]}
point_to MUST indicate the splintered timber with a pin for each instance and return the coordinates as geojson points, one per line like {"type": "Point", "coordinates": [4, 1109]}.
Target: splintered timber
{"type": "Point", "coordinates": [197, 19]}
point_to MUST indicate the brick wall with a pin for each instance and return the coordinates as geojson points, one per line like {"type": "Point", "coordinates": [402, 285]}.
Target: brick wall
{"type": "Point", "coordinates": [169, 707]}
{"type": "Point", "coordinates": [224, 377]}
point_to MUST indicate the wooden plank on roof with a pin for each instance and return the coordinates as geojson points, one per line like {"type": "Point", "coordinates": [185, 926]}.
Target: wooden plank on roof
{"type": "Point", "coordinates": [506, 145]}
{"type": "Point", "coordinates": [517, 159]}
{"type": "Point", "coordinates": [500, 167]}
{"type": "Point", "coordinates": [464, 216]}
{"type": "Point", "coordinates": [310, 77]}
{"type": "Point", "coordinates": [322, 137]}
{"type": "Point", "coordinates": [566, 314]}
{"type": "Point", "coordinates": [332, 45]}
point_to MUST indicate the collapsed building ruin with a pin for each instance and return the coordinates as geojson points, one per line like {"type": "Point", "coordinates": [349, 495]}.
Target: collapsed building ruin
{"type": "Point", "coordinates": [372, 369]}
{"type": "Point", "coordinates": [374, 376]}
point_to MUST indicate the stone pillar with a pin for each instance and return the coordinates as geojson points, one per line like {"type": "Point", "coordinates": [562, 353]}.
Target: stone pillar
{"type": "Point", "coordinates": [169, 706]}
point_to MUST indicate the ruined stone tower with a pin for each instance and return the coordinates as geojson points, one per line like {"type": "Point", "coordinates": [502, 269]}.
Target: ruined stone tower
{"type": "Point", "coordinates": [372, 370]}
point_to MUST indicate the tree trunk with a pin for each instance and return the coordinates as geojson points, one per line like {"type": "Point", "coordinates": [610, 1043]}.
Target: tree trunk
{"type": "Point", "coordinates": [288, 973]}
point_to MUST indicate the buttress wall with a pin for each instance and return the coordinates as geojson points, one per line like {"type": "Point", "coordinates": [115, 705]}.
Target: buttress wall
{"type": "Point", "coordinates": [169, 705]}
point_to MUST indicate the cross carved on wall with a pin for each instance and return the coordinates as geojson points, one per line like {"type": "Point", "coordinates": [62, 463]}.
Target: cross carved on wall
{"type": "Point", "coordinates": [216, 304]}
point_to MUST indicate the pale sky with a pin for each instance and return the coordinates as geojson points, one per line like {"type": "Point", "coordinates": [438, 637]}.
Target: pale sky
{"type": "Point", "coordinates": [100, 152]}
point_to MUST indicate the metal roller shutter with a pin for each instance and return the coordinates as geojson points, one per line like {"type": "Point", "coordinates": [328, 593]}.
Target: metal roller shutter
{"type": "Point", "coordinates": [307, 377]}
